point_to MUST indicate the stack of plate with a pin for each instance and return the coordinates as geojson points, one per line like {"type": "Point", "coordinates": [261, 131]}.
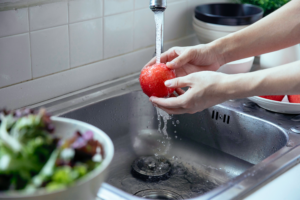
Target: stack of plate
{"type": "Point", "coordinates": [213, 21]}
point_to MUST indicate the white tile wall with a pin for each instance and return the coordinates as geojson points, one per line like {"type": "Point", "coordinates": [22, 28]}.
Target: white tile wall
{"type": "Point", "coordinates": [49, 51]}
{"type": "Point", "coordinates": [52, 43]}
{"type": "Point", "coordinates": [175, 20]}
{"type": "Point", "coordinates": [15, 59]}
{"type": "Point", "coordinates": [141, 4]}
{"type": "Point", "coordinates": [85, 9]}
{"type": "Point", "coordinates": [144, 28]}
{"type": "Point", "coordinates": [48, 15]}
{"type": "Point", "coordinates": [118, 34]}
{"type": "Point", "coordinates": [78, 78]}
{"type": "Point", "coordinates": [13, 22]}
{"type": "Point", "coordinates": [117, 6]}
{"type": "Point", "coordinates": [86, 42]}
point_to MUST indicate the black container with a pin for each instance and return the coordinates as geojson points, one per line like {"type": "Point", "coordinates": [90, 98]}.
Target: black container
{"type": "Point", "coordinates": [228, 13]}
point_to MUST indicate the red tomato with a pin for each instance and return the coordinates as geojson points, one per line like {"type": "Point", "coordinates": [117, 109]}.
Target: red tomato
{"type": "Point", "coordinates": [294, 98]}
{"type": "Point", "coordinates": [274, 97]}
{"type": "Point", "coordinates": [152, 80]}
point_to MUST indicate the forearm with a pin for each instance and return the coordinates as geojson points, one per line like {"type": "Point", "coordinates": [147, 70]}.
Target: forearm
{"type": "Point", "coordinates": [279, 30]}
{"type": "Point", "coordinates": [280, 80]}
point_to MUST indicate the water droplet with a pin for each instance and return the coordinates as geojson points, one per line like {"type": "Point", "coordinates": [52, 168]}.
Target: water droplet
{"type": "Point", "coordinates": [249, 105]}
{"type": "Point", "coordinates": [176, 136]}
{"type": "Point", "coordinates": [175, 131]}
{"type": "Point", "coordinates": [177, 122]}
{"type": "Point", "coordinates": [295, 129]}
{"type": "Point", "coordinates": [289, 144]}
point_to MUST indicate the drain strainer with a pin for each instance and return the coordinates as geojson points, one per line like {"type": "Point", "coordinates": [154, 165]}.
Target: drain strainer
{"type": "Point", "coordinates": [158, 194]}
{"type": "Point", "coordinates": [151, 167]}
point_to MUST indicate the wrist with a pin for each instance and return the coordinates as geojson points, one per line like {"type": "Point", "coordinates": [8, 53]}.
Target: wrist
{"type": "Point", "coordinates": [218, 48]}
{"type": "Point", "coordinates": [237, 86]}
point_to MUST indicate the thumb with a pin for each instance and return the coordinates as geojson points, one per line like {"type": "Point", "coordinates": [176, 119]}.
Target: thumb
{"type": "Point", "coordinates": [181, 60]}
{"type": "Point", "coordinates": [178, 82]}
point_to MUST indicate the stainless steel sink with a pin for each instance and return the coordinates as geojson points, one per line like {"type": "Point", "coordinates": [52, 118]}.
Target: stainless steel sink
{"type": "Point", "coordinates": [224, 152]}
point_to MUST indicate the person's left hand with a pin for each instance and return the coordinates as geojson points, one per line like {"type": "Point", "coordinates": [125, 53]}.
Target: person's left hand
{"type": "Point", "coordinates": [206, 89]}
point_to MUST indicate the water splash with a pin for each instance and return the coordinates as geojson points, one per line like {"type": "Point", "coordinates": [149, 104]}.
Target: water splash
{"type": "Point", "coordinates": [158, 16]}
{"type": "Point", "coordinates": [165, 116]}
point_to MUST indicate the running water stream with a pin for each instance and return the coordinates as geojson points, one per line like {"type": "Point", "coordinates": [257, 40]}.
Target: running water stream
{"type": "Point", "coordinates": [158, 16]}
{"type": "Point", "coordinates": [165, 117]}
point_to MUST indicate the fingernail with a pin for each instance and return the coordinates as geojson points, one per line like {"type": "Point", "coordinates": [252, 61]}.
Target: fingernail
{"type": "Point", "coordinates": [168, 83]}
{"type": "Point", "coordinates": [170, 64]}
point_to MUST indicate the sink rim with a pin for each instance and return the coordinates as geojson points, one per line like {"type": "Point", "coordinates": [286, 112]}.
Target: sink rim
{"type": "Point", "coordinates": [240, 186]}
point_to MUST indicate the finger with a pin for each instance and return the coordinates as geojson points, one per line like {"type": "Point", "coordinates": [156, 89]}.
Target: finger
{"type": "Point", "coordinates": [179, 82]}
{"type": "Point", "coordinates": [182, 59]}
{"type": "Point", "coordinates": [166, 56]}
{"type": "Point", "coordinates": [179, 91]}
{"type": "Point", "coordinates": [151, 62]}
{"type": "Point", "coordinates": [172, 102]}
{"type": "Point", "coordinates": [172, 111]}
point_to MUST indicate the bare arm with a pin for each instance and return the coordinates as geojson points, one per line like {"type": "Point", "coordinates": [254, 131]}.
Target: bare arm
{"type": "Point", "coordinates": [278, 30]}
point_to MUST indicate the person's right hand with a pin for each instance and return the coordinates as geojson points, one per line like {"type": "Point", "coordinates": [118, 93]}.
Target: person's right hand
{"type": "Point", "coordinates": [187, 60]}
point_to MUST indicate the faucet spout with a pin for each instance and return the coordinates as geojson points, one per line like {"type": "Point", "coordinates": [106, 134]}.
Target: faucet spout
{"type": "Point", "coordinates": [158, 5]}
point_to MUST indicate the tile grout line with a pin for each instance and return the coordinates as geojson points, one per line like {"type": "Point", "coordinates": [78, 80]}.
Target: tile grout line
{"type": "Point", "coordinates": [102, 29]}
{"type": "Point", "coordinates": [69, 38]}
{"type": "Point", "coordinates": [30, 48]}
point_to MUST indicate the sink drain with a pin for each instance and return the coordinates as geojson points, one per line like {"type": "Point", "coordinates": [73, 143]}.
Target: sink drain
{"type": "Point", "coordinates": [158, 194]}
{"type": "Point", "coordinates": [152, 168]}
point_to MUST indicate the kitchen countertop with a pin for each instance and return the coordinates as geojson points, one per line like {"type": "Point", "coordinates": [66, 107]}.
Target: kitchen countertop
{"type": "Point", "coordinates": [285, 186]}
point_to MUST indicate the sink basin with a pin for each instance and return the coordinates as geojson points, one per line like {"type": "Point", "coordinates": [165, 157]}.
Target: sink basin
{"type": "Point", "coordinates": [224, 152]}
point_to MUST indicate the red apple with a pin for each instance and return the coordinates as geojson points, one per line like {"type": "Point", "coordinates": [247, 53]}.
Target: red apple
{"type": "Point", "coordinates": [152, 80]}
{"type": "Point", "coordinates": [294, 98]}
{"type": "Point", "coordinates": [274, 97]}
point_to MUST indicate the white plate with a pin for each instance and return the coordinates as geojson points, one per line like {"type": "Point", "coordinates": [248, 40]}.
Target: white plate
{"type": "Point", "coordinates": [277, 106]}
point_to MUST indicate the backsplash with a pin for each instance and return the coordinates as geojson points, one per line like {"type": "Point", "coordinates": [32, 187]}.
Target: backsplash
{"type": "Point", "coordinates": [56, 48]}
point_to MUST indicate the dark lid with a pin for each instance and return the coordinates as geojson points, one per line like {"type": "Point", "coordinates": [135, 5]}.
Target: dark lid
{"type": "Point", "coordinates": [228, 13]}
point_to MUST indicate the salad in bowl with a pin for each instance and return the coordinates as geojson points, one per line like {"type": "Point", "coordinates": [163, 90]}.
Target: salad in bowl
{"type": "Point", "coordinates": [50, 157]}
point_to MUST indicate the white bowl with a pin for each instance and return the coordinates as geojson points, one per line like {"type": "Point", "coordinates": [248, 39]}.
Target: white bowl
{"type": "Point", "coordinates": [238, 66]}
{"type": "Point", "coordinates": [203, 40]}
{"type": "Point", "coordinates": [217, 27]}
{"type": "Point", "coordinates": [277, 106]}
{"type": "Point", "coordinates": [210, 33]}
{"type": "Point", "coordinates": [85, 188]}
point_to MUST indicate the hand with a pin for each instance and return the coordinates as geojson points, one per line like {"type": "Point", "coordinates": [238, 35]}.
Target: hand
{"type": "Point", "coordinates": [206, 89]}
{"type": "Point", "coordinates": [187, 60]}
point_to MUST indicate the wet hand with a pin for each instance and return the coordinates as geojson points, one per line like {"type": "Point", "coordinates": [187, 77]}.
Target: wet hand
{"type": "Point", "coordinates": [187, 60]}
{"type": "Point", "coordinates": [205, 90]}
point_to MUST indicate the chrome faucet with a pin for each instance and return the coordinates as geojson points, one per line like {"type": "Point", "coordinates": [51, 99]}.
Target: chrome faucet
{"type": "Point", "coordinates": [159, 5]}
